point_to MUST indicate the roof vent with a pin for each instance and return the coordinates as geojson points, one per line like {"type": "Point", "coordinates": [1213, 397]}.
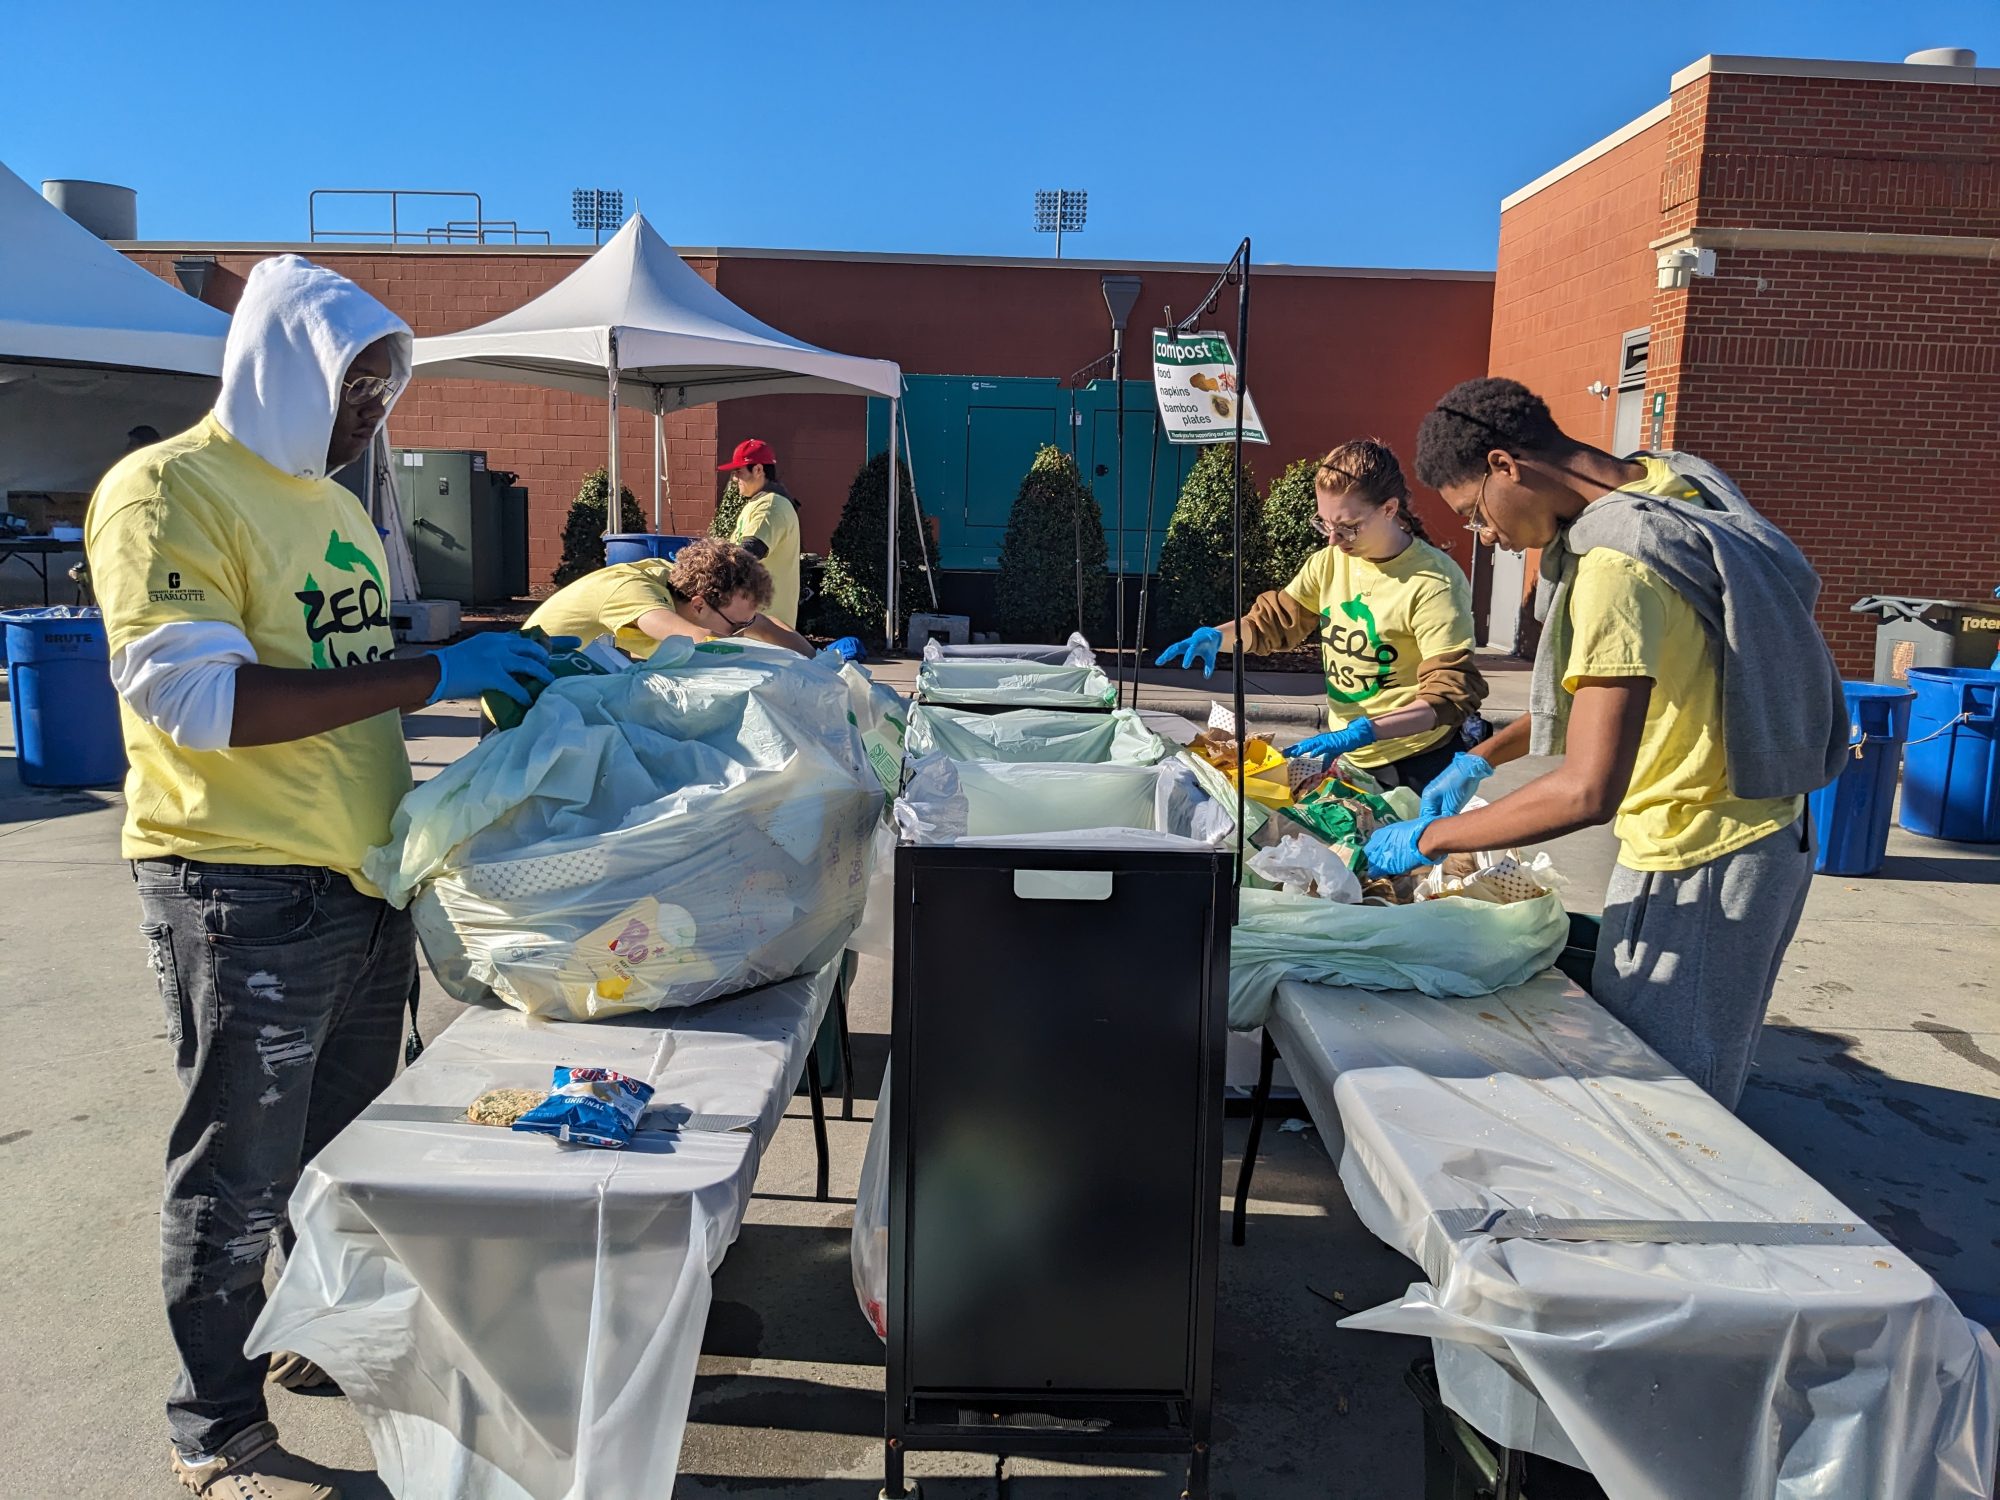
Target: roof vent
{"type": "Point", "coordinates": [1944, 57]}
{"type": "Point", "coordinates": [108, 211]}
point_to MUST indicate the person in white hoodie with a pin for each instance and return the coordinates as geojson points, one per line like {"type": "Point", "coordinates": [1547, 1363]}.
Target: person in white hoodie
{"type": "Point", "coordinates": [245, 599]}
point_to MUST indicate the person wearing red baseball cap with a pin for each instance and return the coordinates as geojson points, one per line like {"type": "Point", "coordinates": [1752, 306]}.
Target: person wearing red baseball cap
{"type": "Point", "coordinates": [768, 524]}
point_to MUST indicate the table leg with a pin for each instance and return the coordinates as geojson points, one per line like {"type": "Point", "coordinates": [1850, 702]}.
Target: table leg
{"type": "Point", "coordinates": [1260, 1101]}
{"type": "Point", "coordinates": [819, 1122]}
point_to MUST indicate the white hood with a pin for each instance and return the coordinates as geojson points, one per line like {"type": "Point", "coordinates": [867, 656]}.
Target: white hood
{"type": "Point", "coordinates": [296, 330]}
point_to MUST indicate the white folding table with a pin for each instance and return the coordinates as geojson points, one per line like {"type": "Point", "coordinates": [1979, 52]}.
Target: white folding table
{"type": "Point", "coordinates": [514, 1319]}
{"type": "Point", "coordinates": [1624, 1276]}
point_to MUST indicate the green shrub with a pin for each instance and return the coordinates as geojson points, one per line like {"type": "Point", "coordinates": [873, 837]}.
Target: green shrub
{"type": "Point", "coordinates": [1197, 567]}
{"type": "Point", "coordinates": [726, 512]}
{"type": "Point", "coordinates": [852, 587]}
{"type": "Point", "coordinates": [1055, 519]}
{"type": "Point", "coordinates": [583, 531]}
{"type": "Point", "coordinates": [1289, 510]}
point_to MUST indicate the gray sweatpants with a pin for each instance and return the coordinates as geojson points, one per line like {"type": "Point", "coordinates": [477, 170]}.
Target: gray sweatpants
{"type": "Point", "coordinates": [1688, 958]}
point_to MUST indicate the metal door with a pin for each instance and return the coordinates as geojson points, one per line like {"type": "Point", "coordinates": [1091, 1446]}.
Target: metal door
{"type": "Point", "coordinates": [1000, 445]}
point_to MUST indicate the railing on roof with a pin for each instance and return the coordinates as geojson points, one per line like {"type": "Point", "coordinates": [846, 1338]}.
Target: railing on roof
{"type": "Point", "coordinates": [478, 230]}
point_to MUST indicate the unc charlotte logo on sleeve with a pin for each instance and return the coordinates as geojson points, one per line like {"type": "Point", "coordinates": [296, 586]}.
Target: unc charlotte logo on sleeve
{"type": "Point", "coordinates": [1359, 663]}
{"type": "Point", "coordinates": [173, 593]}
{"type": "Point", "coordinates": [336, 618]}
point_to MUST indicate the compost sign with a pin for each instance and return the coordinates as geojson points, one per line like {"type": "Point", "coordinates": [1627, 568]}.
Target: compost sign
{"type": "Point", "coordinates": [1194, 376]}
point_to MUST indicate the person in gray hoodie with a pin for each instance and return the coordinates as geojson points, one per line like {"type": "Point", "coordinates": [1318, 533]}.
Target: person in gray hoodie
{"type": "Point", "coordinates": [245, 600]}
{"type": "Point", "coordinates": [1683, 680]}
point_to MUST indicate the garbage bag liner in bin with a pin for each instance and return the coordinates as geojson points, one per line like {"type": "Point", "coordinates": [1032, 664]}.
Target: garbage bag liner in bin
{"type": "Point", "coordinates": [1059, 806]}
{"type": "Point", "coordinates": [1026, 684]}
{"type": "Point", "coordinates": [694, 827]}
{"type": "Point", "coordinates": [1044, 735]}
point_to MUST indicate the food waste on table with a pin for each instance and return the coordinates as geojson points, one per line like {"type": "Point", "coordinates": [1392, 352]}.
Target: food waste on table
{"type": "Point", "coordinates": [502, 1107]}
{"type": "Point", "coordinates": [1326, 810]}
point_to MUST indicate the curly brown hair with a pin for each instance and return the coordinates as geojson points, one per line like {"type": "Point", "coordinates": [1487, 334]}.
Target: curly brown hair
{"type": "Point", "coordinates": [1368, 467]}
{"type": "Point", "coordinates": [716, 570]}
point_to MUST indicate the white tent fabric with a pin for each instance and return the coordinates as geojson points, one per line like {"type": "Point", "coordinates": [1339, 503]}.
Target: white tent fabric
{"type": "Point", "coordinates": [675, 337]}
{"type": "Point", "coordinates": [67, 297]}
{"type": "Point", "coordinates": [636, 321]}
{"type": "Point", "coordinates": [91, 345]}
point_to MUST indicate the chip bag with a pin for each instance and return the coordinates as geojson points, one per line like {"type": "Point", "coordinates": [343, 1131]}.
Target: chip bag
{"type": "Point", "coordinates": [590, 1107]}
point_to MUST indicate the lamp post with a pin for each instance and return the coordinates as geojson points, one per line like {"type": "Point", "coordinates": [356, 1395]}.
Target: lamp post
{"type": "Point", "coordinates": [1120, 292]}
{"type": "Point", "coordinates": [1059, 211]}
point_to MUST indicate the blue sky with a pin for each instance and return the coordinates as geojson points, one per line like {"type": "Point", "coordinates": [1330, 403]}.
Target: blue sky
{"type": "Point", "coordinates": [1333, 133]}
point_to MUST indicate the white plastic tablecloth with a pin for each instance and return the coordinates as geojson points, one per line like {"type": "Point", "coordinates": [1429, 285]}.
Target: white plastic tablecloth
{"type": "Point", "coordinates": [514, 1319]}
{"type": "Point", "coordinates": [1828, 1365]}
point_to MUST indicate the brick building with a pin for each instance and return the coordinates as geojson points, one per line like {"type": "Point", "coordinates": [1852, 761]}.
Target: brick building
{"type": "Point", "coordinates": [1842, 362]}
{"type": "Point", "coordinates": [1336, 353]}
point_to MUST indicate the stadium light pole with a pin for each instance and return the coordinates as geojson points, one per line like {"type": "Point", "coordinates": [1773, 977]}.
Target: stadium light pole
{"type": "Point", "coordinates": [1059, 211]}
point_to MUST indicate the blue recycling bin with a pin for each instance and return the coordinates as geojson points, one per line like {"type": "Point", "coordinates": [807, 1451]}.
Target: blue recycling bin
{"type": "Point", "coordinates": [1851, 813]}
{"type": "Point", "coordinates": [66, 730]}
{"type": "Point", "coordinates": [1951, 770]}
{"type": "Point", "coordinates": [635, 546]}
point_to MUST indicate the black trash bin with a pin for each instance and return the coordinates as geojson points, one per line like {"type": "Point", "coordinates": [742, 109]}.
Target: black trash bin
{"type": "Point", "coordinates": [1930, 633]}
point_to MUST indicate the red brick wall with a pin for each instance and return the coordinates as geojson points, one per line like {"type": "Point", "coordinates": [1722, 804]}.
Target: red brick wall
{"type": "Point", "coordinates": [1332, 357]}
{"type": "Point", "coordinates": [1575, 274]}
{"type": "Point", "coordinates": [1856, 398]}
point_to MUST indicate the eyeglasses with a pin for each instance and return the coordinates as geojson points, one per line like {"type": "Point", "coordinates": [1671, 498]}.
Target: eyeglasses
{"type": "Point", "coordinates": [1476, 523]}
{"type": "Point", "coordinates": [362, 389]}
{"type": "Point", "coordinates": [736, 626]}
{"type": "Point", "coordinates": [1339, 531]}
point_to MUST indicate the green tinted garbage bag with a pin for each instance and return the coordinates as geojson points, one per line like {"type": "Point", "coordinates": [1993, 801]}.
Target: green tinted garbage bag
{"type": "Point", "coordinates": [697, 825]}
{"type": "Point", "coordinates": [1028, 684]}
{"type": "Point", "coordinates": [1045, 736]}
{"type": "Point", "coordinates": [1448, 948]}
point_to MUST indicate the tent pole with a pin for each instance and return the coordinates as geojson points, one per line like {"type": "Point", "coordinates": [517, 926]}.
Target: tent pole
{"type": "Point", "coordinates": [659, 451]}
{"type": "Point", "coordinates": [889, 587]}
{"type": "Point", "coordinates": [917, 514]}
{"type": "Point", "coordinates": [613, 512]}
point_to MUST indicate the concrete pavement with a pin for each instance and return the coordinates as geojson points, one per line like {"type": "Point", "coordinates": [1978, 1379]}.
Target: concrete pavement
{"type": "Point", "coordinates": [1879, 1073]}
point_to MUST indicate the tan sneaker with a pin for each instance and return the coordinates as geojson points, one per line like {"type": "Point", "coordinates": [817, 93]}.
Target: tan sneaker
{"type": "Point", "coordinates": [251, 1466]}
{"type": "Point", "coordinates": [297, 1373]}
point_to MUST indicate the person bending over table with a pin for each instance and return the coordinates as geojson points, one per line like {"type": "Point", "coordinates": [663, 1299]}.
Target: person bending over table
{"type": "Point", "coordinates": [711, 589]}
{"type": "Point", "coordinates": [1394, 614]}
{"type": "Point", "coordinates": [1682, 678]}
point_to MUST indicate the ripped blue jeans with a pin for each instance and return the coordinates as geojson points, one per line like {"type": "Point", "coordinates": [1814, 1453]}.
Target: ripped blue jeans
{"type": "Point", "coordinates": [284, 989]}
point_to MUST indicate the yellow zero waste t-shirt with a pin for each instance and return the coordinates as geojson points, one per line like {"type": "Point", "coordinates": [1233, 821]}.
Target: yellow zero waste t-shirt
{"type": "Point", "coordinates": [1378, 621]}
{"type": "Point", "coordinates": [770, 518]}
{"type": "Point", "coordinates": [607, 602]}
{"type": "Point", "coordinates": [1627, 621]}
{"type": "Point", "coordinates": [201, 528]}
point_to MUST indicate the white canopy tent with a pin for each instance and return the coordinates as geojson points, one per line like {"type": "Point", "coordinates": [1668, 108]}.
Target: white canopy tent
{"type": "Point", "coordinates": [636, 321]}
{"type": "Point", "coordinates": [91, 346]}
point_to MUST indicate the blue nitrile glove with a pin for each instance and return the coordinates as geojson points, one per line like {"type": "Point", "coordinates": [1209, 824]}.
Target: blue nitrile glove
{"type": "Point", "coordinates": [1336, 742]}
{"type": "Point", "coordinates": [1201, 646]}
{"type": "Point", "coordinates": [1392, 848]}
{"type": "Point", "coordinates": [492, 661]}
{"type": "Point", "coordinates": [849, 648]}
{"type": "Point", "coordinates": [1453, 787]}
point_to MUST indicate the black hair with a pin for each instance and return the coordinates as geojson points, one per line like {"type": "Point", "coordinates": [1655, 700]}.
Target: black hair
{"type": "Point", "coordinates": [1472, 419]}
{"type": "Point", "coordinates": [773, 482]}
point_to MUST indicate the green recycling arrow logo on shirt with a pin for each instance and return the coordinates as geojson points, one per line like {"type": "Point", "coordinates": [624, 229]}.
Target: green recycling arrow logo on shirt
{"type": "Point", "coordinates": [1350, 648]}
